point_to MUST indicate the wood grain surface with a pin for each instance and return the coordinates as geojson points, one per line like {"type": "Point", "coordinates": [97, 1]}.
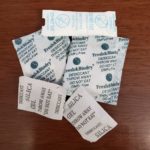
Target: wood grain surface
{"type": "Point", "coordinates": [21, 130]}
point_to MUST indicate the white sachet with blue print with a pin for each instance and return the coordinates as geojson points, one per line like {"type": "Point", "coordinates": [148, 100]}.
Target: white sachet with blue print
{"type": "Point", "coordinates": [96, 62]}
{"type": "Point", "coordinates": [42, 57]}
{"type": "Point", "coordinates": [72, 23]}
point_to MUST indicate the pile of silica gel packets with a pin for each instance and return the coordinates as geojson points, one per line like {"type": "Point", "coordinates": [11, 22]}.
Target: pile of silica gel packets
{"type": "Point", "coordinates": [76, 54]}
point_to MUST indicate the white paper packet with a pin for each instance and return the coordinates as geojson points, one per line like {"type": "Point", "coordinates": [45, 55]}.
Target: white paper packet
{"type": "Point", "coordinates": [42, 57]}
{"type": "Point", "coordinates": [87, 116]}
{"type": "Point", "coordinates": [96, 62]}
{"type": "Point", "coordinates": [44, 98]}
{"type": "Point", "coordinates": [71, 23]}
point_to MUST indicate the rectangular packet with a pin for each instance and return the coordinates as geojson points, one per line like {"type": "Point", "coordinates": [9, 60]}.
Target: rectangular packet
{"type": "Point", "coordinates": [42, 57]}
{"type": "Point", "coordinates": [89, 119]}
{"type": "Point", "coordinates": [71, 23]}
{"type": "Point", "coordinates": [44, 98]}
{"type": "Point", "coordinates": [96, 62]}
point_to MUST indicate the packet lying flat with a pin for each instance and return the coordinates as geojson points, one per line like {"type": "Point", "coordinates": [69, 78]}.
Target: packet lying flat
{"type": "Point", "coordinates": [69, 23]}
{"type": "Point", "coordinates": [42, 57]}
{"type": "Point", "coordinates": [96, 62]}
{"type": "Point", "coordinates": [89, 119]}
{"type": "Point", "coordinates": [44, 98]}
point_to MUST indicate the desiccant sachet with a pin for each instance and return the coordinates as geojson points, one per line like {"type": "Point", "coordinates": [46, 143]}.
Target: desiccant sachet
{"type": "Point", "coordinates": [96, 62]}
{"type": "Point", "coordinates": [71, 23]}
{"type": "Point", "coordinates": [44, 98]}
{"type": "Point", "coordinates": [87, 116]}
{"type": "Point", "coordinates": [42, 57]}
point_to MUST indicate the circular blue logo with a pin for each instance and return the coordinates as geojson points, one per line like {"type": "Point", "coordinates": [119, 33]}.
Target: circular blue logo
{"type": "Point", "coordinates": [109, 77]}
{"type": "Point", "coordinates": [34, 65]}
{"type": "Point", "coordinates": [18, 41]}
{"type": "Point", "coordinates": [76, 61]}
{"type": "Point", "coordinates": [105, 46]}
{"type": "Point", "coordinates": [51, 38]}
{"type": "Point", "coordinates": [62, 20]}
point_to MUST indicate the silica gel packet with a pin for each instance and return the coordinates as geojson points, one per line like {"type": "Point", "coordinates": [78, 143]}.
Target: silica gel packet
{"type": "Point", "coordinates": [87, 116]}
{"type": "Point", "coordinates": [42, 57]}
{"type": "Point", "coordinates": [71, 23]}
{"type": "Point", "coordinates": [96, 62]}
{"type": "Point", "coordinates": [41, 97]}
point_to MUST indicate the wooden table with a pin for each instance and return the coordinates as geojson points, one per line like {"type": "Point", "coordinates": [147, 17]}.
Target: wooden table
{"type": "Point", "coordinates": [21, 130]}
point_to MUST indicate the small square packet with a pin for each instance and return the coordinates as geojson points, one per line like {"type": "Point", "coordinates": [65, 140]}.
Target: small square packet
{"type": "Point", "coordinates": [43, 98]}
{"type": "Point", "coordinates": [87, 116]}
{"type": "Point", "coordinates": [42, 57]}
{"type": "Point", "coordinates": [96, 62]}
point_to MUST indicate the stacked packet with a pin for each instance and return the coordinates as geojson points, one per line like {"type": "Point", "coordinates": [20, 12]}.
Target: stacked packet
{"type": "Point", "coordinates": [76, 54]}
